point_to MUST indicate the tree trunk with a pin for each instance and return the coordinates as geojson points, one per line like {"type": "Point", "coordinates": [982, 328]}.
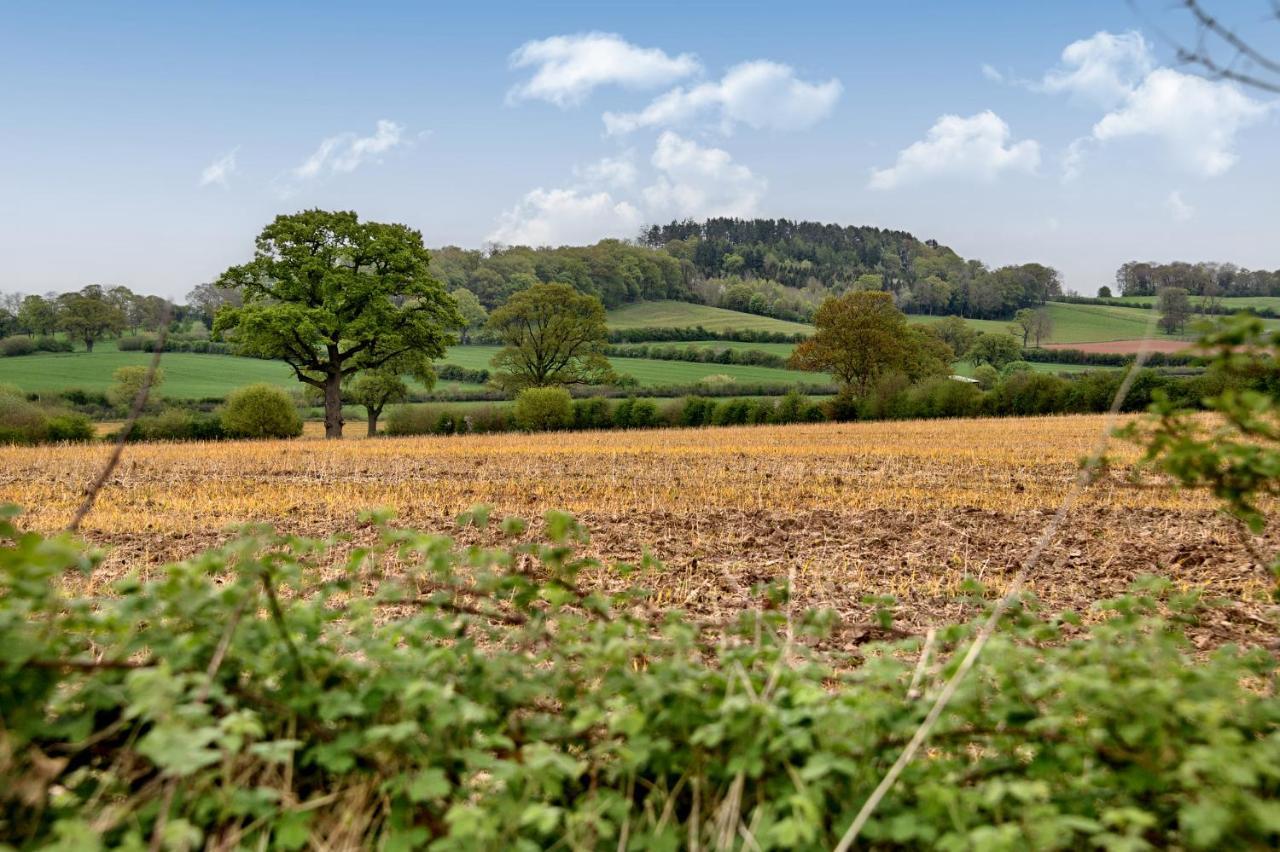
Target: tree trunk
{"type": "Point", "coordinates": [88, 344]}
{"type": "Point", "coordinates": [333, 406]}
{"type": "Point", "coordinates": [373, 423]}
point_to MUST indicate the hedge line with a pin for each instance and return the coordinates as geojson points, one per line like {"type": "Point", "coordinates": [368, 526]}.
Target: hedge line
{"type": "Point", "coordinates": [699, 355]}
{"type": "Point", "coordinates": [684, 334]}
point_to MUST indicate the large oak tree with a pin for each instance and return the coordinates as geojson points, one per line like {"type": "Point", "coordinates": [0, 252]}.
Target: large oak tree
{"type": "Point", "coordinates": [331, 296]}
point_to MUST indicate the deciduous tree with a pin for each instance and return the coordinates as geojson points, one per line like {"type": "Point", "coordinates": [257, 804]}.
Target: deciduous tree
{"type": "Point", "coordinates": [331, 296]}
{"type": "Point", "coordinates": [553, 335]}
{"type": "Point", "coordinates": [1175, 309]}
{"type": "Point", "coordinates": [87, 316]}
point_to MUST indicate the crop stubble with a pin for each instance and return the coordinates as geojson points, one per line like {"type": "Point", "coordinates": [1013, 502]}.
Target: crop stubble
{"type": "Point", "coordinates": [910, 509]}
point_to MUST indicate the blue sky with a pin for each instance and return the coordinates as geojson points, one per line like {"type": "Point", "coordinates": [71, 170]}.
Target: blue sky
{"type": "Point", "coordinates": [146, 144]}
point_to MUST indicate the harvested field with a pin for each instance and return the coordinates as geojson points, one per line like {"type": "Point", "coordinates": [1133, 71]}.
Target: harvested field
{"type": "Point", "coordinates": [910, 509]}
{"type": "Point", "coordinates": [1126, 347]}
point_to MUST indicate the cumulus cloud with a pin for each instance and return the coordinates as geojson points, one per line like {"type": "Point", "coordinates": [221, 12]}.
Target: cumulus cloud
{"type": "Point", "coordinates": [617, 171]}
{"type": "Point", "coordinates": [1179, 209]}
{"type": "Point", "coordinates": [698, 182]}
{"type": "Point", "coordinates": [1101, 69]}
{"type": "Point", "coordinates": [688, 180]}
{"type": "Point", "coordinates": [1196, 119]}
{"type": "Point", "coordinates": [759, 94]}
{"type": "Point", "coordinates": [978, 147]}
{"type": "Point", "coordinates": [567, 68]}
{"type": "Point", "coordinates": [220, 169]}
{"type": "Point", "coordinates": [563, 216]}
{"type": "Point", "coordinates": [347, 151]}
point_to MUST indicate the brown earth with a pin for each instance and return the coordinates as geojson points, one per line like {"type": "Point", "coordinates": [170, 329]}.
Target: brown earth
{"type": "Point", "coordinates": [1125, 347]}
{"type": "Point", "coordinates": [911, 509]}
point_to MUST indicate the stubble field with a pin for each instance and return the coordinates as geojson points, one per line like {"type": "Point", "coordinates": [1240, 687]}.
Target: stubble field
{"type": "Point", "coordinates": [910, 509]}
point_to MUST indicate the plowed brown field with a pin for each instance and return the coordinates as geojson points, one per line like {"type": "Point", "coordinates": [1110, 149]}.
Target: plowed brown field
{"type": "Point", "coordinates": [908, 509]}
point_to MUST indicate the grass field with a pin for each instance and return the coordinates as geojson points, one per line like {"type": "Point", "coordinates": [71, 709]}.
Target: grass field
{"type": "Point", "coordinates": [671, 314]}
{"type": "Point", "coordinates": [1239, 302]}
{"type": "Point", "coordinates": [912, 509]}
{"type": "Point", "coordinates": [651, 373]}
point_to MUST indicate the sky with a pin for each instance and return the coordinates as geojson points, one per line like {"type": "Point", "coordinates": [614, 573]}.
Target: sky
{"type": "Point", "coordinates": [146, 144]}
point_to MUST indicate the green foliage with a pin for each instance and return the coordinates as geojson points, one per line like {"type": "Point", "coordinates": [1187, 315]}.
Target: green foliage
{"type": "Point", "coordinates": [475, 697]}
{"type": "Point", "coordinates": [89, 315]}
{"type": "Point", "coordinates": [987, 376]}
{"type": "Point", "coordinates": [1236, 455]}
{"type": "Point", "coordinates": [331, 296]}
{"type": "Point", "coordinates": [1175, 309]}
{"type": "Point", "coordinates": [994, 349]}
{"type": "Point", "coordinates": [178, 424]}
{"type": "Point", "coordinates": [25, 422]}
{"type": "Point", "coordinates": [860, 336]}
{"type": "Point", "coordinates": [473, 314]}
{"type": "Point", "coordinates": [13, 347]}
{"type": "Point", "coordinates": [126, 384]}
{"type": "Point", "coordinates": [261, 411]}
{"type": "Point", "coordinates": [592, 413]}
{"type": "Point", "coordinates": [543, 409]}
{"type": "Point", "coordinates": [552, 336]}
{"type": "Point", "coordinates": [632, 413]}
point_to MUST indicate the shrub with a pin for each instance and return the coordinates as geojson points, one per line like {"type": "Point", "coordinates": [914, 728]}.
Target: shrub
{"type": "Point", "coordinates": [134, 343]}
{"type": "Point", "coordinates": [591, 413]}
{"type": "Point", "coordinates": [515, 708]}
{"type": "Point", "coordinates": [696, 411]}
{"type": "Point", "coordinates": [489, 418]}
{"type": "Point", "coordinates": [261, 411]}
{"type": "Point", "coordinates": [69, 426]}
{"type": "Point", "coordinates": [731, 412]}
{"type": "Point", "coordinates": [126, 383]}
{"type": "Point", "coordinates": [11, 347]}
{"type": "Point", "coordinates": [796, 408]}
{"type": "Point", "coordinates": [987, 376]}
{"type": "Point", "coordinates": [21, 421]}
{"type": "Point", "coordinates": [412, 420]}
{"type": "Point", "coordinates": [49, 343]}
{"type": "Point", "coordinates": [177, 424]}
{"type": "Point", "coordinates": [634, 413]}
{"type": "Point", "coordinates": [543, 409]}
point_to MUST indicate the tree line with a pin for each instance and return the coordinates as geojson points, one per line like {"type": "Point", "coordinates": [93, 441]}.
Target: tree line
{"type": "Point", "coordinates": [1209, 280]}
{"type": "Point", "coordinates": [86, 316]}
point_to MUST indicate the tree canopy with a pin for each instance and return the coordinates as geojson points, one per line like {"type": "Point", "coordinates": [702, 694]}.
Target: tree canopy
{"type": "Point", "coordinates": [87, 316]}
{"type": "Point", "coordinates": [331, 296]}
{"type": "Point", "coordinates": [552, 335]}
{"type": "Point", "coordinates": [860, 336]}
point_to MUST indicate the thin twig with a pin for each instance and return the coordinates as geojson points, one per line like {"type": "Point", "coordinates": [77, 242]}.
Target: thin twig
{"type": "Point", "coordinates": [1083, 479]}
{"type": "Point", "coordinates": [139, 403]}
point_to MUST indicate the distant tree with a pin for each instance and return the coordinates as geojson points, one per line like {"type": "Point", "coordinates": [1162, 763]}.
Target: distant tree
{"type": "Point", "coordinates": [87, 316]}
{"type": "Point", "coordinates": [1104, 292]}
{"type": "Point", "coordinates": [375, 390]}
{"type": "Point", "coordinates": [37, 315]}
{"type": "Point", "coordinates": [994, 349]}
{"type": "Point", "coordinates": [987, 376]}
{"type": "Point", "coordinates": [954, 332]}
{"type": "Point", "coordinates": [474, 316]}
{"type": "Point", "coordinates": [126, 384]}
{"type": "Point", "coordinates": [860, 336]}
{"type": "Point", "coordinates": [1174, 306]}
{"type": "Point", "coordinates": [552, 335]}
{"type": "Point", "coordinates": [1032, 325]}
{"type": "Point", "coordinates": [207, 299]}
{"type": "Point", "coordinates": [331, 296]}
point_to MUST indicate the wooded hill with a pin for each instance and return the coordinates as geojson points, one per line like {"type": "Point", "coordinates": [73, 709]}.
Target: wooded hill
{"type": "Point", "coordinates": [771, 267]}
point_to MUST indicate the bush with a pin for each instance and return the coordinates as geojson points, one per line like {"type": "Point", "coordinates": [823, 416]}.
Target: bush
{"type": "Point", "coordinates": [987, 376]}
{"type": "Point", "coordinates": [517, 707]}
{"type": "Point", "coordinates": [177, 424]}
{"type": "Point", "coordinates": [261, 411]}
{"type": "Point", "coordinates": [543, 409]}
{"type": "Point", "coordinates": [135, 343]}
{"type": "Point", "coordinates": [54, 344]}
{"type": "Point", "coordinates": [488, 419]}
{"type": "Point", "coordinates": [731, 412]}
{"type": "Point", "coordinates": [21, 421]}
{"type": "Point", "coordinates": [591, 413]}
{"type": "Point", "coordinates": [12, 347]}
{"type": "Point", "coordinates": [634, 413]}
{"type": "Point", "coordinates": [69, 426]}
{"type": "Point", "coordinates": [412, 420]}
{"type": "Point", "coordinates": [126, 384]}
{"type": "Point", "coordinates": [696, 411]}
{"type": "Point", "coordinates": [796, 408]}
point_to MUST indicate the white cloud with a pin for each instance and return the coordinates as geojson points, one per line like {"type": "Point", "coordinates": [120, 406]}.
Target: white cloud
{"type": "Point", "coordinates": [220, 169]}
{"type": "Point", "coordinates": [347, 151]}
{"type": "Point", "coordinates": [1179, 209]}
{"type": "Point", "coordinates": [1103, 68]}
{"type": "Point", "coordinates": [697, 182]}
{"type": "Point", "coordinates": [992, 73]}
{"type": "Point", "coordinates": [569, 67]}
{"type": "Point", "coordinates": [977, 147]}
{"type": "Point", "coordinates": [759, 94]}
{"type": "Point", "coordinates": [617, 171]}
{"type": "Point", "coordinates": [1197, 119]}
{"type": "Point", "coordinates": [566, 216]}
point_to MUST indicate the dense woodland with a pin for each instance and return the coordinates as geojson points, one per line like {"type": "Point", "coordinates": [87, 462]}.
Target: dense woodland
{"type": "Point", "coordinates": [1137, 278]}
{"type": "Point", "coordinates": [771, 267]}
